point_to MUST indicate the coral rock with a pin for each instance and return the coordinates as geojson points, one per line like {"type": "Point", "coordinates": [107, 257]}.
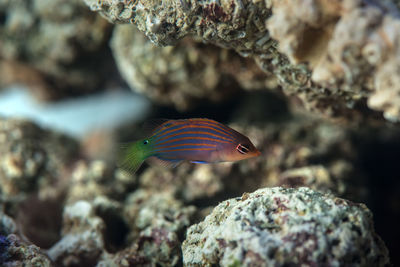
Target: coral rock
{"type": "Point", "coordinates": [32, 159]}
{"type": "Point", "coordinates": [148, 208]}
{"type": "Point", "coordinates": [50, 46]}
{"type": "Point", "coordinates": [181, 75]}
{"type": "Point", "coordinates": [350, 47]}
{"type": "Point", "coordinates": [235, 24]}
{"type": "Point", "coordinates": [276, 226]}
{"type": "Point", "coordinates": [82, 236]}
{"type": "Point", "coordinates": [334, 55]}
{"type": "Point", "coordinates": [156, 221]}
{"type": "Point", "coordinates": [19, 253]}
{"type": "Point", "coordinates": [14, 251]}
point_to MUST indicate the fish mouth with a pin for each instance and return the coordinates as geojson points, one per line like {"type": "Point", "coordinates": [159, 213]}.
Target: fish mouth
{"type": "Point", "coordinates": [257, 153]}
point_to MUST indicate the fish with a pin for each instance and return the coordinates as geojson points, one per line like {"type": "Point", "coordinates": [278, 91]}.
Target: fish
{"type": "Point", "coordinates": [197, 140]}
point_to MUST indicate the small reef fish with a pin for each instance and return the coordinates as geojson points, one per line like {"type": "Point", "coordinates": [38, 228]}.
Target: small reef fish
{"type": "Point", "coordinates": [194, 140]}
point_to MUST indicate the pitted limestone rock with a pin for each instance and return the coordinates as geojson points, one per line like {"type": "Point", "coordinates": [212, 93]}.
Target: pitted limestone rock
{"type": "Point", "coordinates": [52, 47]}
{"type": "Point", "coordinates": [276, 226]}
{"type": "Point", "coordinates": [333, 55]}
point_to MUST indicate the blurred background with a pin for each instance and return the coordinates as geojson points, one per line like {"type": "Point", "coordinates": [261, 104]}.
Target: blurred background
{"type": "Point", "coordinates": [73, 86]}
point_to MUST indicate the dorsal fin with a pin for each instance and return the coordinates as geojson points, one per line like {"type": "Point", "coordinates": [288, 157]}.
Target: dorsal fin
{"type": "Point", "coordinates": [151, 125]}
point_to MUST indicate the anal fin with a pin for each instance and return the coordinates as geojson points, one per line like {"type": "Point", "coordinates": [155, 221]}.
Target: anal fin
{"type": "Point", "coordinates": [150, 126]}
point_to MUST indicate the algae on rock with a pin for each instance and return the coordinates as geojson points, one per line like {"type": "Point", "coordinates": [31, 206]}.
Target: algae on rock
{"type": "Point", "coordinates": [277, 226]}
{"type": "Point", "coordinates": [15, 250]}
{"type": "Point", "coordinates": [333, 55]}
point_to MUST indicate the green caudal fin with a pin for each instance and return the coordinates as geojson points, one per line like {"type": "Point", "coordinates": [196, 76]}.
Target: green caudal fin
{"type": "Point", "coordinates": [131, 156]}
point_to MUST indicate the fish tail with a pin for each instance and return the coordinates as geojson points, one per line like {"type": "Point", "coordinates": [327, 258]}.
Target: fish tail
{"type": "Point", "coordinates": [130, 157]}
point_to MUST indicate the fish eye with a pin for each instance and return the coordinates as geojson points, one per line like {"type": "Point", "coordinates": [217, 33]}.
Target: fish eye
{"type": "Point", "coordinates": [243, 149]}
{"type": "Point", "coordinates": [145, 142]}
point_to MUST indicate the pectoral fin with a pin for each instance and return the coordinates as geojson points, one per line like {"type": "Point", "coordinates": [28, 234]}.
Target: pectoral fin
{"type": "Point", "coordinates": [155, 161]}
{"type": "Point", "coordinates": [128, 158]}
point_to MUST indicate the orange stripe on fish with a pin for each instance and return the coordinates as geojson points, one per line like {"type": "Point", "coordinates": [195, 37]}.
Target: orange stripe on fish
{"type": "Point", "coordinates": [185, 144]}
{"type": "Point", "coordinates": [195, 140]}
{"type": "Point", "coordinates": [217, 139]}
{"type": "Point", "coordinates": [188, 149]}
{"type": "Point", "coordinates": [224, 136]}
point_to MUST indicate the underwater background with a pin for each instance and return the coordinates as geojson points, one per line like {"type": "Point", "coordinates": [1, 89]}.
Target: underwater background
{"type": "Point", "coordinates": [314, 84]}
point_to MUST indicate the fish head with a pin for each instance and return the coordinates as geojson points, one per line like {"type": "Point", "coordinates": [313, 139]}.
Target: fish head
{"type": "Point", "coordinates": [242, 150]}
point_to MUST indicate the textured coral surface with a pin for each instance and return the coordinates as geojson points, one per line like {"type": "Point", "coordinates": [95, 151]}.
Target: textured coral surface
{"type": "Point", "coordinates": [51, 46]}
{"type": "Point", "coordinates": [259, 66]}
{"type": "Point", "coordinates": [331, 54]}
{"type": "Point", "coordinates": [278, 227]}
{"type": "Point", "coordinates": [14, 250]}
{"type": "Point", "coordinates": [32, 158]}
{"type": "Point", "coordinates": [181, 75]}
{"type": "Point", "coordinates": [350, 47]}
{"type": "Point", "coordinates": [105, 216]}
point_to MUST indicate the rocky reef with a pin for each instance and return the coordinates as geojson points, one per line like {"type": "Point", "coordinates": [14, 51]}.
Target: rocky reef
{"type": "Point", "coordinates": [321, 51]}
{"type": "Point", "coordinates": [313, 84]}
{"type": "Point", "coordinates": [32, 159]}
{"type": "Point", "coordinates": [14, 251]}
{"type": "Point", "coordinates": [94, 213]}
{"type": "Point", "coordinates": [103, 216]}
{"type": "Point", "coordinates": [52, 47]}
{"type": "Point", "coordinates": [180, 75]}
{"type": "Point", "coordinates": [279, 227]}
